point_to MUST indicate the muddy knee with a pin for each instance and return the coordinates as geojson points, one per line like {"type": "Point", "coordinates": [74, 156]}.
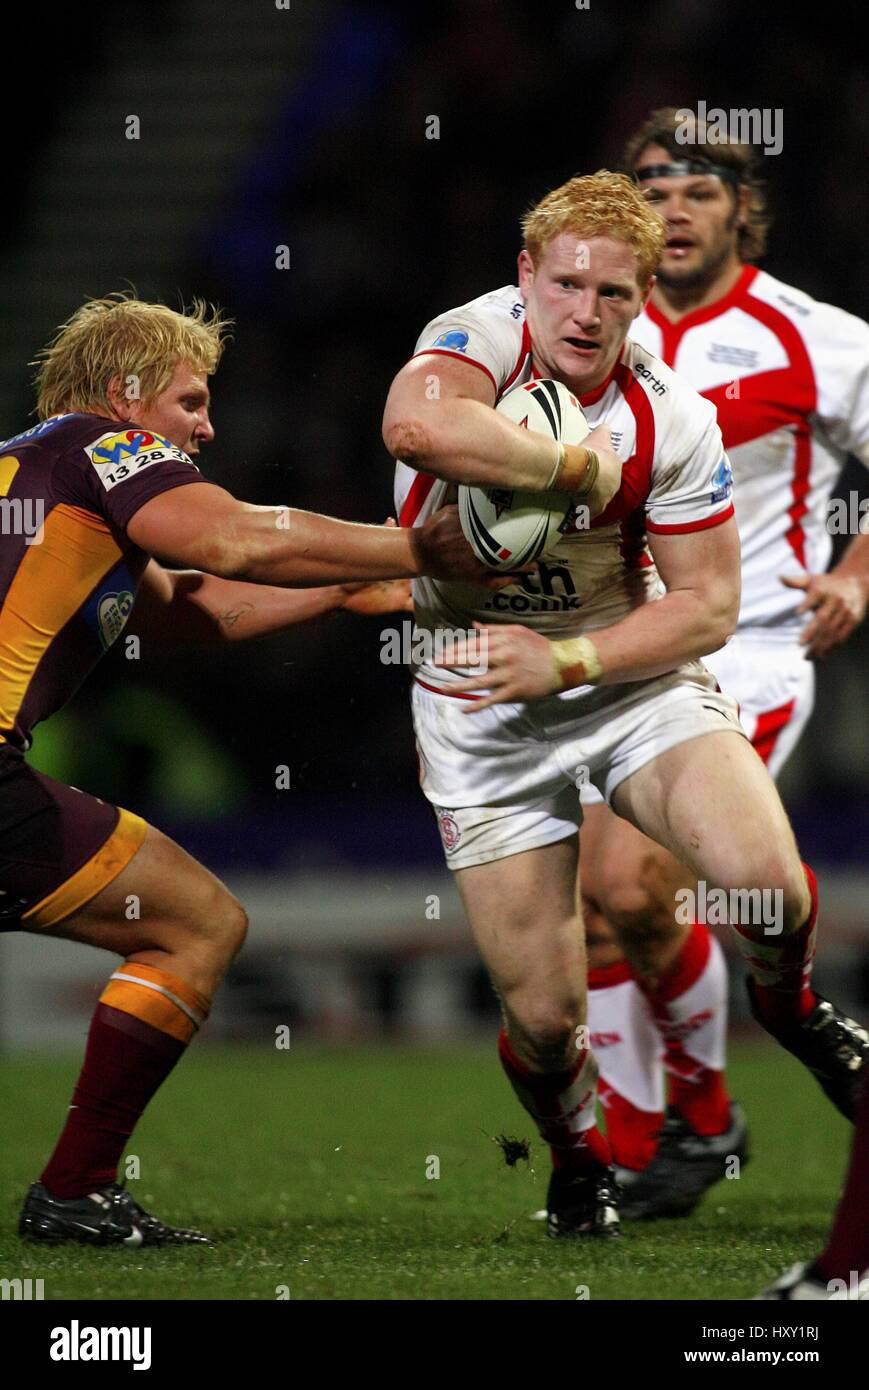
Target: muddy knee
{"type": "Point", "coordinates": [544, 1034]}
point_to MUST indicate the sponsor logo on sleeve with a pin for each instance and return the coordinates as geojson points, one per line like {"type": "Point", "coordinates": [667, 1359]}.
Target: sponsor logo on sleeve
{"type": "Point", "coordinates": [456, 340]}
{"type": "Point", "coordinates": [722, 482]}
{"type": "Point", "coordinates": [803, 309]}
{"type": "Point", "coordinates": [113, 610]}
{"type": "Point", "coordinates": [107, 609]}
{"type": "Point", "coordinates": [116, 457]}
{"type": "Point", "coordinates": [646, 374]}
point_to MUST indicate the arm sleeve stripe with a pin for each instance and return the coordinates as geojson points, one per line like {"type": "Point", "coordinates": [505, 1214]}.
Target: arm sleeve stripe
{"type": "Point", "coordinates": [702, 525]}
{"type": "Point", "coordinates": [446, 352]}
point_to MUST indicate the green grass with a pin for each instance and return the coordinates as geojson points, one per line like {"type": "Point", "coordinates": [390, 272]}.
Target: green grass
{"type": "Point", "coordinates": [309, 1167]}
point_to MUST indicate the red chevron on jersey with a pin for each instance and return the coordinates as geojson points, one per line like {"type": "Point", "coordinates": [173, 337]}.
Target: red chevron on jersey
{"type": "Point", "coordinates": [675, 478]}
{"type": "Point", "coordinates": [637, 470]}
{"type": "Point", "coordinates": [789, 378]}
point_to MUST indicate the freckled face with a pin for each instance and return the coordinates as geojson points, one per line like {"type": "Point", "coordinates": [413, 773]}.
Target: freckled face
{"type": "Point", "coordinates": [581, 299]}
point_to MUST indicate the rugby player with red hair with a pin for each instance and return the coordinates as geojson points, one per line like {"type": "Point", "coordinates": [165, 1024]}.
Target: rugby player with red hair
{"type": "Point", "coordinates": [593, 665]}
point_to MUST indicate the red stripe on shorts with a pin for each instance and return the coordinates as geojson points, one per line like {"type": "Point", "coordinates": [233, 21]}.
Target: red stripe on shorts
{"type": "Point", "coordinates": [453, 694]}
{"type": "Point", "coordinates": [769, 726]}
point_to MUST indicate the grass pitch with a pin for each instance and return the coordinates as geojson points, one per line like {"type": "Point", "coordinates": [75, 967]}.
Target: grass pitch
{"type": "Point", "coordinates": [309, 1168]}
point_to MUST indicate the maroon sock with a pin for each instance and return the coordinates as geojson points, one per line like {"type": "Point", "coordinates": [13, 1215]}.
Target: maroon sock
{"type": "Point", "coordinates": [126, 1060]}
{"type": "Point", "coordinates": [848, 1247]}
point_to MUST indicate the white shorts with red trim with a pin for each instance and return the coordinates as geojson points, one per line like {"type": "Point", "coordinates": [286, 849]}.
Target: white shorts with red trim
{"type": "Point", "coordinates": [507, 779]}
{"type": "Point", "coordinates": [774, 687]}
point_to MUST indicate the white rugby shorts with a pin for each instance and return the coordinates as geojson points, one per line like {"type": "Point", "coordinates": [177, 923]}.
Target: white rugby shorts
{"type": "Point", "coordinates": [508, 778]}
{"type": "Point", "coordinates": [773, 685]}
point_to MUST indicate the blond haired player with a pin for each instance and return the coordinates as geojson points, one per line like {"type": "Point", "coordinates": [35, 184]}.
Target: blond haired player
{"type": "Point", "coordinates": [593, 661]}
{"type": "Point", "coordinates": [123, 402]}
{"type": "Point", "coordinates": [789, 378]}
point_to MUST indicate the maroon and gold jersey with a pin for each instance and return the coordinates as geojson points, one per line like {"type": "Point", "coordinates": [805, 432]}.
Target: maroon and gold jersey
{"type": "Point", "coordinates": [68, 572]}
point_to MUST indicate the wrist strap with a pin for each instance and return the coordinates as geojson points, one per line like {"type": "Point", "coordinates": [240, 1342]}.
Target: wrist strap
{"type": "Point", "coordinates": [591, 472]}
{"type": "Point", "coordinates": [559, 465]}
{"type": "Point", "coordinates": [573, 652]}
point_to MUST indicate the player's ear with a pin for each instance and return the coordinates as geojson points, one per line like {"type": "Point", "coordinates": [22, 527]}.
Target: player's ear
{"type": "Point", "coordinates": [118, 399]}
{"type": "Point", "coordinates": [645, 294]}
{"type": "Point", "coordinates": [526, 270]}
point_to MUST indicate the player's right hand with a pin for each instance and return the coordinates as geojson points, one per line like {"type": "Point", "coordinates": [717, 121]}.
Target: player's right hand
{"type": "Point", "coordinates": [519, 667]}
{"type": "Point", "coordinates": [443, 553]}
{"type": "Point", "coordinates": [609, 478]}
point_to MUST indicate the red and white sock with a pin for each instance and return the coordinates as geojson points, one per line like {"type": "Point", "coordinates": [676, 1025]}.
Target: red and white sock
{"type": "Point", "coordinates": [782, 965]}
{"type": "Point", "coordinates": [689, 1004]}
{"type": "Point", "coordinates": [629, 1049]}
{"type": "Point", "coordinates": [562, 1105]}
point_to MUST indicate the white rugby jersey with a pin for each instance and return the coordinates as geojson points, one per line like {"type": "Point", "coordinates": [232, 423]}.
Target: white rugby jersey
{"type": "Point", "coordinates": [675, 478]}
{"type": "Point", "coordinates": [790, 380]}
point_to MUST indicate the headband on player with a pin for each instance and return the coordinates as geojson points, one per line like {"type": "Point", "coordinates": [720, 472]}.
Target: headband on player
{"type": "Point", "coordinates": [686, 166]}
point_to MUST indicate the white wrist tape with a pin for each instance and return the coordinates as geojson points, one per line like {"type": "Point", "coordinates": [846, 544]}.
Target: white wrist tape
{"type": "Point", "coordinates": [575, 651]}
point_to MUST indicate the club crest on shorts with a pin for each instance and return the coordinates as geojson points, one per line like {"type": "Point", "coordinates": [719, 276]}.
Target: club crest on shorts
{"type": "Point", "coordinates": [448, 826]}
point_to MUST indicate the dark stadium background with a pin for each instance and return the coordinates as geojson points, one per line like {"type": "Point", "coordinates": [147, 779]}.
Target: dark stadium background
{"type": "Point", "coordinates": [306, 127]}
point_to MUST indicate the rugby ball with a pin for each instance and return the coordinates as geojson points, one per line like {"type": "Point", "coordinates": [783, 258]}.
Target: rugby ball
{"type": "Point", "coordinates": [508, 529]}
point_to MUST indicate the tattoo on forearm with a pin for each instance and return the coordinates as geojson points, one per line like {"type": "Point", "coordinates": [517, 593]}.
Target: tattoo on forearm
{"type": "Point", "coordinates": [232, 615]}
